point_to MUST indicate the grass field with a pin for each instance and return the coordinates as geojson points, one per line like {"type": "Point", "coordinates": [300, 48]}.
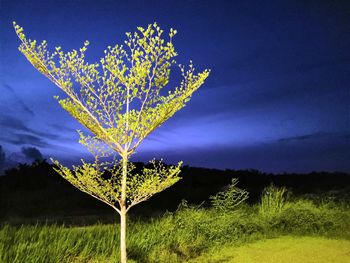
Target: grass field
{"type": "Point", "coordinates": [244, 234]}
{"type": "Point", "coordinates": [285, 249]}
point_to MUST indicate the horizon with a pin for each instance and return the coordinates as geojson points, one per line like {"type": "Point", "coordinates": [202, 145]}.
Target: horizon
{"type": "Point", "coordinates": [186, 166]}
{"type": "Point", "coordinates": [277, 99]}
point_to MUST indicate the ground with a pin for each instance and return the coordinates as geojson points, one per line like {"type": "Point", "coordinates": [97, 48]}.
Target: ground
{"type": "Point", "coordinates": [285, 249]}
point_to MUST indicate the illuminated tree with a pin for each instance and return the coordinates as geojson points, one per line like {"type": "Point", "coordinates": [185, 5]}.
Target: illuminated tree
{"type": "Point", "coordinates": [119, 100]}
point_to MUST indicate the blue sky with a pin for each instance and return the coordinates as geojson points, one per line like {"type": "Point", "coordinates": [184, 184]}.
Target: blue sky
{"type": "Point", "coordinates": [277, 98]}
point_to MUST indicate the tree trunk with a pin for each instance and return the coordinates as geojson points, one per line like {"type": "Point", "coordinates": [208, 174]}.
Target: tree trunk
{"type": "Point", "coordinates": [123, 255]}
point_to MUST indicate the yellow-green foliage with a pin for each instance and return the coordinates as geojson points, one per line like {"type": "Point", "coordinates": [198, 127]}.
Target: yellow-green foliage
{"type": "Point", "coordinates": [272, 200]}
{"type": "Point", "coordinates": [119, 100]}
{"type": "Point", "coordinates": [230, 198]}
{"type": "Point", "coordinates": [90, 179]}
{"type": "Point", "coordinates": [110, 90]}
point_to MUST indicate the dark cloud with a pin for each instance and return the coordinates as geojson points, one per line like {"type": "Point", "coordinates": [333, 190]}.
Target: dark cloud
{"type": "Point", "coordinates": [62, 128]}
{"type": "Point", "coordinates": [14, 124]}
{"type": "Point", "coordinates": [302, 137]}
{"type": "Point", "coordinates": [18, 100]}
{"type": "Point", "coordinates": [45, 135]}
{"type": "Point", "coordinates": [22, 139]}
{"type": "Point", "coordinates": [314, 136]}
{"type": "Point", "coordinates": [32, 153]}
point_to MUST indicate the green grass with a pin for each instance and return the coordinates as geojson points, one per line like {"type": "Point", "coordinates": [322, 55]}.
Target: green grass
{"type": "Point", "coordinates": [272, 201]}
{"type": "Point", "coordinates": [285, 249]}
{"type": "Point", "coordinates": [173, 237]}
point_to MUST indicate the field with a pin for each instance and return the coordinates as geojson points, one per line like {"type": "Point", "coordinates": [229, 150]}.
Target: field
{"type": "Point", "coordinates": [283, 250]}
{"type": "Point", "coordinates": [270, 231]}
{"type": "Point", "coordinates": [44, 219]}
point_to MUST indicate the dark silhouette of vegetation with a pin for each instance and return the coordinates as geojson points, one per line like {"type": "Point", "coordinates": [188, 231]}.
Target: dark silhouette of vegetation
{"type": "Point", "coordinates": [31, 193]}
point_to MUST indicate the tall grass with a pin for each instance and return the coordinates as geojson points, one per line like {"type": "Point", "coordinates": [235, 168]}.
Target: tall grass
{"type": "Point", "coordinates": [57, 243]}
{"type": "Point", "coordinates": [173, 237]}
{"type": "Point", "coordinates": [273, 201]}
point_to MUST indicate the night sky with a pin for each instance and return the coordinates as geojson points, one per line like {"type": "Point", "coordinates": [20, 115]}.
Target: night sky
{"type": "Point", "coordinates": [277, 99]}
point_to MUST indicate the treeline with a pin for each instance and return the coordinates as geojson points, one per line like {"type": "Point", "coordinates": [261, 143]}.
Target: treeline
{"type": "Point", "coordinates": [36, 191]}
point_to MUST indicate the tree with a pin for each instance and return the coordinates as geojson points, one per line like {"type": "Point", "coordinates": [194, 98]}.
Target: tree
{"type": "Point", "coordinates": [119, 100]}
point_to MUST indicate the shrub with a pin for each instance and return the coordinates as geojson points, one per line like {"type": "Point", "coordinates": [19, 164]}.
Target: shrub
{"type": "Point", "coordinates": [230, 198]}
{"type": "Point", "coordinates": [304, 217]}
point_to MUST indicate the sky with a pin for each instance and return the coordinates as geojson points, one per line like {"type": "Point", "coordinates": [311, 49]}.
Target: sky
{"type": "Point", "coordinates": [277, 99]}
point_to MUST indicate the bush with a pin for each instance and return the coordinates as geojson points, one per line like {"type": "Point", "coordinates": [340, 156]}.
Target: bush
{"type": "Point", "coordinates": [230, 198]}
{"type": "Point", "coordinates": [304, 217]}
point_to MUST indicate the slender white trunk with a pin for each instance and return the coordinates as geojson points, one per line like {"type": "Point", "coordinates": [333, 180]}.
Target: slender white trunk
{"type": "Point", "coordinates": [123, 255]}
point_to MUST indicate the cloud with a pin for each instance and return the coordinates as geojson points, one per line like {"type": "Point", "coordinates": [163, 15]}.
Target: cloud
{"type": "Point", "coordinates": [312, 136]}
{"type": "Point", "coordinates": [22, 139]}
{"type": "Point", "coordinates": [32, 153]}
{"type": "Point", "coordinates": [13, 125]}
{"type": "Point", "coordinates": [18, 100]}
{"type": "Point", "coordinates": [62, 128]}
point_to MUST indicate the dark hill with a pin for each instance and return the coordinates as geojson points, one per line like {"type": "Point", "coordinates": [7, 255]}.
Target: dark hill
{"type": "Point", "coordinates": [31, 193]}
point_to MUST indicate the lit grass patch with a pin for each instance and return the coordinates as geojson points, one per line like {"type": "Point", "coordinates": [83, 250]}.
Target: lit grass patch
{"type": "Point", "coordinates": [284, 250]}
{"type": "Point", "coordinates": [272, 201]}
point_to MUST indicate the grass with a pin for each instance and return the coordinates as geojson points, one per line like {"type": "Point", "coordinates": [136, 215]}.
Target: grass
{"type": "Point", "coordinates": [285, 249]}
{"type": "Point", "coordinates": [273, 200]}
{"type": "Point", "coordinates": [176, 237]}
